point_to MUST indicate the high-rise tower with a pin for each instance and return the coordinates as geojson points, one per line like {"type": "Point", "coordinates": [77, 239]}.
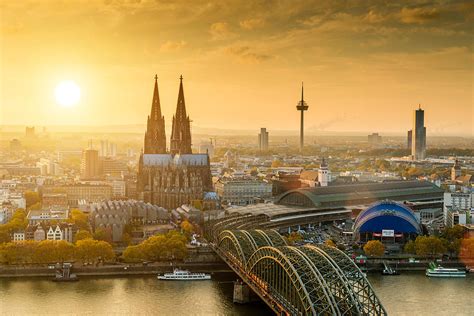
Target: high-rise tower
{"type": "Point", "coordinates": [418, 143]}
{"type": "Point", "coordinates": [302, 106]}
{"type": "Point", "coordinates": [180, 142]}
{"type": "Point", "coordinates": [155, 137]}
{"type": "Point", "coordinates": [263, 139]}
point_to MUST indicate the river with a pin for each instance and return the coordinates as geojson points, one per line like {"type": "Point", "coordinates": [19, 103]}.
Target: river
{"type": "Point", "coordinates": [407, 294]}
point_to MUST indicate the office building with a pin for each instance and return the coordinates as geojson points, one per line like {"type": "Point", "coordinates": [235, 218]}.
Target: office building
{"type": "Point", "coordinates": [460, 204]}
{"type": "Point", "coordinates": [112, 167]}
{"type": "Point", "coordinates": [409, 137]}
{"type": "Point", "coordinates": [90, 164]}
{"type": "Point", "coordinates": [418, 142]}
{"type": "Point", "coordinates": [243, 191]}
{"type": "Point", "coordinates": [263, 139]}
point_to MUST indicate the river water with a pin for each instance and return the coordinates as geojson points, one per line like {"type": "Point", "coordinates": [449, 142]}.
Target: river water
{"type": "Point", "coordinates": [407, 294]}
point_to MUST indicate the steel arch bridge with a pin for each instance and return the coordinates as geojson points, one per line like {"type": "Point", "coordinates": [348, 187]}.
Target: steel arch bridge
{"type": "Point", "coordinates": [305, 280]}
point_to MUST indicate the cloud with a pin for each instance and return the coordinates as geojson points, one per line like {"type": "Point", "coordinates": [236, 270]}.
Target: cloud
{"type": "Point", "coordinates": [246, 55]}
{"type": "Point", "coordinates": [221, 31]}
{"type": "Point", "coordinates": [374, 17]}
{"type": "Point", "coordinates": [418, 15]}
{"type": "Point", "coordinates": [251, 24]}
{"type": "Point", "coordinates": [171, 46]}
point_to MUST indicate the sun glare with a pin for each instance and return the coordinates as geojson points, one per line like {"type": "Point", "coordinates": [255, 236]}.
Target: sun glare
{"type": "Point", "coordinates": [67, 93]}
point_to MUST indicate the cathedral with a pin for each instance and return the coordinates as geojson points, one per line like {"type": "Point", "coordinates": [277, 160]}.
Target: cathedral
{"type": "Point", "coordinates": [171, 179]}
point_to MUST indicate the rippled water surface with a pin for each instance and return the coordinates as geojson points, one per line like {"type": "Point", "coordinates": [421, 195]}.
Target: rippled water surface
{"type": "Point", "coordinates": [407, 294]}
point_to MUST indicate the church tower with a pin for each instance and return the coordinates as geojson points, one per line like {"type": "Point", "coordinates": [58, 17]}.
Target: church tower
{"type": "Point", "coordinates": [324, 175]}
{"type": "Point", "coordinates": [155, 138]}
{"type": "Point", "coordinates": [455, 170]}
{"type": "Point", "coordinates": [180, 142]}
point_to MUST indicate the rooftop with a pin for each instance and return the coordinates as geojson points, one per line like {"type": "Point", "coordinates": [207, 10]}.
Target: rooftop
{"type": "Point", "coordinates": [361, 193]}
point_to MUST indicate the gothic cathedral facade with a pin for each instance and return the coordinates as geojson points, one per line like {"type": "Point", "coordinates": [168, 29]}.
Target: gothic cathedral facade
{"type": "Point", "coordinates": [171, 179]}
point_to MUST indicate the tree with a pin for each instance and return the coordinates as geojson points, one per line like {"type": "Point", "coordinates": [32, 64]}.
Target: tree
{"type": "Point", "coordinates": [17, 222]}
{"type": "Point", "coordinates": [133, 254]}
{"type": "Point", "coordinates": [100, 234]}
{"type": "Point", "coordinates": [197, 204]}
{"type": "Point", "coordinates": [4, 234]}
{"type": "Point", "coordinates": [277, 163]}
{"type": "Point", "coordinates": [410, 247]}
{"type": "Point", "coordinates": [429, 246]}
{"type": "Point", "coordinates": [451, 238]}
{"type": "Point", "coordinates": [36, 206]}
{"type": "Point", "coordinates": [254, 171]}
{"type": "Point", "coordinates": [83, 234]}
{"type": "Point", "coordinates": [31, 198]}
{"type": "Point", "coordinates": [330, 243]}
{"type": "Point", "coordinates": [294, 237]}
{"type": "Point", "coordinates": [90, 250]}
{"type": "Point", "coordinates": [80, 219]}
{"type": "Point", "coordinates": [374, 248]}
{"type": "Point", "coordinates": [187, 227]}
{"type": "Point", "coordinates": [126, 238]}
{"type": "Point", "coordinates": [170, 246]}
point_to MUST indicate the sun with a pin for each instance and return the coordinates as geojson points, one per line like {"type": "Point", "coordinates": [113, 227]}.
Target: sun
{"type": "Point", "coordinates": [67, 93]}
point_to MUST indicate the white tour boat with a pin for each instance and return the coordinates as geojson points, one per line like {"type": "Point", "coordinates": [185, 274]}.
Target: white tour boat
{"type": "Point", "coordinates": [184, 275]}
{"type": "Point", "coordinates": [440, 272]}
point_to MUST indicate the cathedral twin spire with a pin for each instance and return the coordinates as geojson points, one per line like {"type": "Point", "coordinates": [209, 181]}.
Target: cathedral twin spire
{"type": "Point", "coordinates": [155, 138]}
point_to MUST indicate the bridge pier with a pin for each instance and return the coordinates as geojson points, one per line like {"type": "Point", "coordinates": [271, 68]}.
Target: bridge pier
{"type": "Point", "coordinates": [243, 294]}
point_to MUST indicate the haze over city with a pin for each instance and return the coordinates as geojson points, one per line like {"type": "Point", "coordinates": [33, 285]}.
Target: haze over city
{"type": "Point", "coordinates": [366, 65]}
{"type": "Point", "coordinates": [236, 157]}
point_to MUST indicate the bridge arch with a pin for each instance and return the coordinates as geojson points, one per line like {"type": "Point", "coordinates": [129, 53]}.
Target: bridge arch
{"type": "Point", "coordinates": [307, 280]}
{"type": "Point", "coordinates": [369, 302]}
{"type": "Point", "coordinates": [230, 244]}
{"type": "Point", "coordinates": [336, 282]}
{"type": "Point", "coordinates": [285, 274]}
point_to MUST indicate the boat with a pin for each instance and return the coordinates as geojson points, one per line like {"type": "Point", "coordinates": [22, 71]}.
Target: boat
{"type": "Point", "coordinates": [440, 272]}
{"type": "Point", "coordinates": [184, 275]}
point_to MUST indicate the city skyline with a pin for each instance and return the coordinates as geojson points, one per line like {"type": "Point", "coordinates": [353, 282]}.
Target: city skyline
{"type": "Point", "coordinates": [364, 65]}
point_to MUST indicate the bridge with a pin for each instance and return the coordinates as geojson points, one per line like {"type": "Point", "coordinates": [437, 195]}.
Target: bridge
{"type": "Point", "coordinates": [303, 280]}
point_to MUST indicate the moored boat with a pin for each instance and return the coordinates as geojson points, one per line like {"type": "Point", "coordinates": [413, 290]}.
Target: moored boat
{"type": "Point", "coordinates": [440, 272]}
{"type": "Point", "coordinates": [184, 275]}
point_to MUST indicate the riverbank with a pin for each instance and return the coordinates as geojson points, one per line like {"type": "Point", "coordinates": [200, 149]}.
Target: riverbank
{"type": "Point", "coordinates": [114, 270]}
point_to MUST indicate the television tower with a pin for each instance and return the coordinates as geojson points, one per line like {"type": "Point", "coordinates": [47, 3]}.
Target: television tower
{"type": "Point", "coordinates": [302, 106]}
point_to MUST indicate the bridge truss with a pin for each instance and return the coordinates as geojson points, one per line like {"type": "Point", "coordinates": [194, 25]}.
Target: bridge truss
{"type": "Point", "coordinates": [306, 280]}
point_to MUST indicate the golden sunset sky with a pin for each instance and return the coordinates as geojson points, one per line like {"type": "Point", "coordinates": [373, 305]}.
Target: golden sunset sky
{"type": "Point", "coordinates": [366, 64]}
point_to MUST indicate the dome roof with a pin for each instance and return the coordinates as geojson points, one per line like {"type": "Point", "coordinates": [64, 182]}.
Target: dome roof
{"type": "Point", "coordinates": [387, 215]}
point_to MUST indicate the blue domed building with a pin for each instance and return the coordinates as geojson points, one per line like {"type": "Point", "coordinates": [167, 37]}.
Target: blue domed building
{"type": "Point", "coordinates": [387, 221]}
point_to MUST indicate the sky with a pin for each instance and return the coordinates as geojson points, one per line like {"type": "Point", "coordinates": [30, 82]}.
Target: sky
{"type": "Point", "coordinates": [366, 65]}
